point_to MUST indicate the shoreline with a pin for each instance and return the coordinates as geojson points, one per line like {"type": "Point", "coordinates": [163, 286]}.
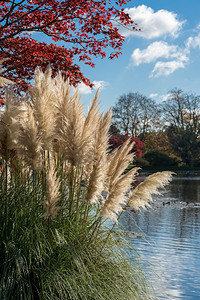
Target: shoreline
{"type": "Point", "coordinates": [189, 170]}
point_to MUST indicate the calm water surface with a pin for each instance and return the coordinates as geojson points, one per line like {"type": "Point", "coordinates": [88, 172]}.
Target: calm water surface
{"type": "Point", "coordinates": [170, 240]}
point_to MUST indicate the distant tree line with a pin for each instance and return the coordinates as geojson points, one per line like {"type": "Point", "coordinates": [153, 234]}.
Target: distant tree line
{"type": "Point", "coordinates": [170, 130]}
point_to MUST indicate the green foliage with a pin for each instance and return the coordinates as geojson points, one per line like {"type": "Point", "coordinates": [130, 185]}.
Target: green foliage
{"type": "Point", "coordinates": [157, 158]}
{"type": "Point", "coordinates": [177, 161]}
{"type": "Point", "coordinates": [141, 162]}
{"type": "Point", "coordinates": [185, 143]}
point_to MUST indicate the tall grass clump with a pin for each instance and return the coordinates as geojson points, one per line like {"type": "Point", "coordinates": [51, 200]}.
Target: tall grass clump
{"type": "Point", "coordinates": [58, 186]}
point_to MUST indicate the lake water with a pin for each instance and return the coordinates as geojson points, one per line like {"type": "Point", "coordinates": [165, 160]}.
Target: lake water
{"type": "Point", "coordinates": [170, 240]}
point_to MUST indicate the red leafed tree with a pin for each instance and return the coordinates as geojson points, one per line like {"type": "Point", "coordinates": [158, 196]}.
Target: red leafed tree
{"type": "Point", "coordinates": [75, 29]}
{"type": "Point", "coordinates": [117, 140]}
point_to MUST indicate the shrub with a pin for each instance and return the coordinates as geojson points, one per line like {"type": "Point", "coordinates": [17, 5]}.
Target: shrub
{"type": "Point", "coordinates": [58, 186]}
{"type": "Point", "coordinates": [141, 162]}
{"type": "Point", "coordinates": [177, 161]}
{"type": "Point", "coordinates": [157, 158]}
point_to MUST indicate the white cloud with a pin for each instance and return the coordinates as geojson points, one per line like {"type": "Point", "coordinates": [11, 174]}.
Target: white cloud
{"type": "Point", "coordinates": [86, 90]}
{"type": "Point", "coordinates": [160, 98]}
{"type": "Point", "coordinates": [193, 42]}
{"type": "Point", "coordinates": [157, 50]}
{"type": "Point", "coordinates": [173, 57]}
{"type": "Point", "coordinates": [100, 84]}
{"type": "Point", "coordinates": [153, 24]}
{"type": "Point", "coordinates": [165, 97]}
{"type": "Point", "coordinates": [166, 68]}
{"type": "Point", "coordinates": [167, 58]}
{"type": "Point", "coordinates": [153, 95]}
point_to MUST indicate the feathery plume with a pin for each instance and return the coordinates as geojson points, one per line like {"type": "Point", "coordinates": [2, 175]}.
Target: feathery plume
{"type": "Point", "coordinates": [99, 169]}
{"type": "Point", "coordinates": [118, 184]}
{"type": "Point", "coordinates": [118, 161]}
{"type": "Point", "coordinates": [90, 128]}
{"type": "Point", "coordinates": [62, 89]}
{"type": "Point", "coordinates": [4, 81]}
{"type": "Point", "coordinates": [42, 98]}
{"type": "Point", "coordinates": [144, 191]}
{"type": "Point", "coordinates": [70, 136]}
{"type": "Point", "coordinates": [53, 195]}
{"type": "Point", "coordinates": [30, 140]}
{"type": "Point", "coordinates": [9, 125]}
{"type": "Point", "coordinates": [118, 194]}
{"type": "Point", "coordinates": [62, 109]}
{"type": "Point", "coordinates": [92, 117]}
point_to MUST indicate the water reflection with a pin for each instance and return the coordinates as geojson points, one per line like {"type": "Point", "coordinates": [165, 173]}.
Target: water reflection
{"type": "Point", "coordinates": [171, 239]}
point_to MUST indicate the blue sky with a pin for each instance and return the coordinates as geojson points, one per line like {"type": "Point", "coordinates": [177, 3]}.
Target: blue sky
{"type": "Point", "coordinates": [165, 55]}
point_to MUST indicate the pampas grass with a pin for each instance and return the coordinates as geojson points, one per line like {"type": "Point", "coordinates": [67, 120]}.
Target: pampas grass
{"type": "Point", "coordinates": [59, 184]}
{"type": "Point", "coordinates": [42, 98]}
{"type": "Point", "coordinates": [9, 125]}
{"type": "Point", "coordinates": [52, 189]}
{"type": "Point", "coordinates": [30, 143]}
{"type": "Point", "coordinates": [97, 177]}
{"type": "Point", "coordinates": [142, 194]}
{"type": "Point", "coordinates": [117, 195]}
{"type": "Point", "coordinates": [3, 80]}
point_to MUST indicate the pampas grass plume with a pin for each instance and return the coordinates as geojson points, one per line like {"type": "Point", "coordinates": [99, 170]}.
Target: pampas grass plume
{"type": "Point", "coordinates": [42, 98]}
{"type": "Point", "coordinates": [118, 184]}
{"type": "Point", "coordinates": [98, 174]}
{"type": "Point", "coordinates": [70, 134]}
{"type": "Point", "coordinates": [29, 140]}
{"type": "Point", "coordinates": [53, 195]}
{"type": "Point", "coordinates": [9, 124]}
{"type": "Point", "coordinates": [118, 194]}
{"type": "Point", "coordinates": [3, 80]}
{"type": "Point", "coordinates": [119, 160]}
{"type": "Point", "coordinates": [143, 192]}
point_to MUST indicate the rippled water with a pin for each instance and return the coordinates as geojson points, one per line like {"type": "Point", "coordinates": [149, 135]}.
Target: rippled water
{"type": "Point", "coordinates": [170, 240]}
